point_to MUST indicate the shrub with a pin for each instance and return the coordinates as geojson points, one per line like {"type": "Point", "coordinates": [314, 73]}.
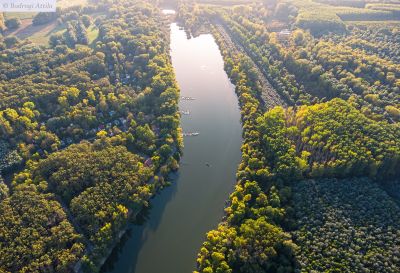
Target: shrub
{"type": "Point", "coordinates": [13, 23]}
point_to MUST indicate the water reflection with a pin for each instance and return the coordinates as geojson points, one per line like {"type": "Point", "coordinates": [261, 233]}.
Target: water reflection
{"type": "Point", "coordinates": [175, 226]}
{"type": "Point", "coordinates": [125, 254]}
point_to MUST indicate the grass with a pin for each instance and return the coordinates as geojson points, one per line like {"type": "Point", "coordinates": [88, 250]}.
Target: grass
{"type": "Point", "coordinates": [93, 32]}
{"type": "Point", "coordinates": [387, 7]}
{"type": "Point", "coordinates": [20, 15]}
{"type": "Point", "coordinates": [42, 37]}
{"type": "Point", "coordinates": [389, 23]}
{"type": "Point", "coordinates": [343, 3]}
{"type": "Point", "coordinates": [37, 34]}
{"type": "Point", "coordinates": [41, 34]}
{"type": "Point", "coordinates": [70, 3]}
{"type": "Point", "coordinates": [227, 2]}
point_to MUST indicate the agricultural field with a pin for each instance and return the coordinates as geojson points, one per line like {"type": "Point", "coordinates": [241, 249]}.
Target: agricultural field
{"type": "Point", "coordinates": [70, 3]}
{"type": "Point", "coordinates": [320, 16]}
{"type": "Point", "coordinates": [227, 2]}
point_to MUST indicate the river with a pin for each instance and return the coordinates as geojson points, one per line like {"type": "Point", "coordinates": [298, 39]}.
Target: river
{"type": "Point", "coordinates": [180, 216]}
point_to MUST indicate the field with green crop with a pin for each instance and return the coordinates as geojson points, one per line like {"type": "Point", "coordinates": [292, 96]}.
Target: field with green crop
{"type": "Point", "coordinates": [321, 15]}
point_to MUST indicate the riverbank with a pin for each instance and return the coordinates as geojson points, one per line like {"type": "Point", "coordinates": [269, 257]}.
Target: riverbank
{"type": "Point", "coordinates": [181, 214]}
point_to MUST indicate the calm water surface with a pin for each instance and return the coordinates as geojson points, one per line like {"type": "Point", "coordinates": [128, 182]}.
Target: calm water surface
{"type": "Point", "coordinates": [180, 216]}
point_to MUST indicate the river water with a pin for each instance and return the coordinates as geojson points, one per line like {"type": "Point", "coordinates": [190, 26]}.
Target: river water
{"type": "Point", "coordinates": [170, 238]}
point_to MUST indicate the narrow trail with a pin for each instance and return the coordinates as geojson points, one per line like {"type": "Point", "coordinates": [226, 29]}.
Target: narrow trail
{"type": "Point", "coordinates": [269, 95]}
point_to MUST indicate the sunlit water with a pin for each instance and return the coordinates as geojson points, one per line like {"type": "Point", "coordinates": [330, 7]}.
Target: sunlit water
{"type": "Point", "coordinates": [168, 242]}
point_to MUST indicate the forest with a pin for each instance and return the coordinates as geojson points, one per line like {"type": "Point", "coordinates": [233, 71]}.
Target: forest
{"type": "Point", "coordinates": [312, 193]}
{"type": "Point", "coordinates": [368, 230]}
{"type": "Point", "coordinates": [90, 132]}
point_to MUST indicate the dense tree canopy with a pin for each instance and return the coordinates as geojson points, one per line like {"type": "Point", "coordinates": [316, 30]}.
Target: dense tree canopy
{"type": "Point", "coordinates": [333, 139]}
{"type": "Point", "coordinates": [346, 225]}
{"type": "Point", "coordinates": [353, 134]}
{"type": "Point", "coordinates": [78, 120]}
{"type": "Point", "coordinates": [100, 184]}
{"type": "Point", "coordinates": [89, 131]}
{"type": "Point", "coordinates": [12, 23]}
{"type": "Point", "coordinates": [36, 235]}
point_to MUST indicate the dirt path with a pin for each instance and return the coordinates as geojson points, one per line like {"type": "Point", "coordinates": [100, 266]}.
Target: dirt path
{"type": "Point", "coordinates": [269, 95]}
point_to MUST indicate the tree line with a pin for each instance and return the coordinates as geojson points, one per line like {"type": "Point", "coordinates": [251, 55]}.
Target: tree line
{"type": "Point", "coordinates": [266, 227]}
{"type": "Point", "coordinates": [95, 131]}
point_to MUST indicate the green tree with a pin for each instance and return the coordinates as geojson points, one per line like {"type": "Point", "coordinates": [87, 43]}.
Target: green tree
{"type": "Point", "coordinates": [13, 23]}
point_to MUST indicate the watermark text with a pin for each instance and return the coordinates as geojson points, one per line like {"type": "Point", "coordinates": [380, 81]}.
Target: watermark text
{"type": "Point", "coordinates": [28, 5]}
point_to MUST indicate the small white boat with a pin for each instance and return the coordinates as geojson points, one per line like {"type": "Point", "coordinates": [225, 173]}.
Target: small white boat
{"type": "Point", "coordinates": [185, 112]}
{"type": "Point", "coordinates": [187, 98]}
{"type": "Point", "coordinates": [191, 134]}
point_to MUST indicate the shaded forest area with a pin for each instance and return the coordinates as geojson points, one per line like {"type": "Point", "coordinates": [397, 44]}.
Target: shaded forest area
{"type": "Point", "coordinates": [89, 133]}
{"type": "Point", "coordinates": [340, 129]}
